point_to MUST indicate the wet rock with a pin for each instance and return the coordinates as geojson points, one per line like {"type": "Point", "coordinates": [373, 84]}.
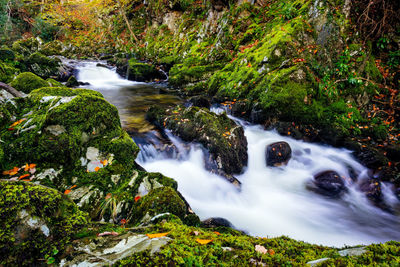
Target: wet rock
{"type": "Point", "coordinates": [372, 189]}
{"type": "Point", "coordinates": [221, 136]}
{"type": "Point", "coordinates": [329, 183]}
{"type": "Point", "coordinates": [278, 153]}
{"type": "Point", "coordinates": [72, 82]}
{"type": "Point", "coordinates": [216, 222]}
{"type": "Point", "coordinates": [43, 66]}
{"type": "Point", "coordinates": [142, 71]}
{"type": "Point", "coordinates": [7, 72]}
{"type": "Point", "coordinates": [108, 250]}
{"type": "Point", "coordinates": [200, 101]}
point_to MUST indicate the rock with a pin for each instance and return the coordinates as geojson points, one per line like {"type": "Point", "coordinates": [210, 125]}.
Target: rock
{"type": "Point", "coordinates": [329, 183]}
{"type": "Point", "coordinates": [352, 252]}
{"type": "Point", "coordinates": [221, 136]}
{"type": "Point", "coordinates": [35, 221]}
{"type": "Point", "coordinates": [72, 82]}
{"type": "Point", "coordinates": [27, 46]}
{"type": "Point", "coordinates": [43, 66]}
{"type": "Point", "coordinates": [6, 54]}
{"type": "Point", "coordinates": [7, 72]}
{"type": "Point", "coordinates": [216, 222]}
{"type": "Point", "coordinates": [27, 81]}
{"type": "Point", "coordinates": [372, 189]}
{"type": "Point", "coordinates": [316, 262]}
{"type": "Point", "coordinates": [200, 101]}
{"type": "Point", "coordinates": [52, 48]}
{"type": "Point", "coordinates": [278, 153]}
{"type": "Point", "coordinates": [108, 250]}
{"type": "Point", "coordinates": [140, 71]}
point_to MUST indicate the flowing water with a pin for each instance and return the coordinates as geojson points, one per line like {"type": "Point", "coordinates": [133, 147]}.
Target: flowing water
{"type": "Point", "coordinates": [271, 201]}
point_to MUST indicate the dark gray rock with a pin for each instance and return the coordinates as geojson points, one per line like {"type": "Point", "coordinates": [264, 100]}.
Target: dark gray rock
{"type": "Point", "coordinates": [278, 153]}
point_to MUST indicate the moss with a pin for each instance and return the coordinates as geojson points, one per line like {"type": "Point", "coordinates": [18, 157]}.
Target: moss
{"type": "Point", "coordinates": [72, 82]}
{"type": "Point", "coordinates": [139, 71]}
{"type": "Point", "coordinates": [7, 72]}
{"type": "Point", "coordinates": [157, 201]}
{"type": "Point", "coordinates": [22, 244]}
{"type": "Point", "coordinates": [42, 66]}
{"type": "Point", "coordinates": [52, 48]}
{"type": "Point", "coordinates": [54, 83]}
{"type": "Point", "coordinates": [27, 81]}
{"type": "Point", "coordinates": [6, 54]}
{"type": "Point", "coordinates": [26, 47]}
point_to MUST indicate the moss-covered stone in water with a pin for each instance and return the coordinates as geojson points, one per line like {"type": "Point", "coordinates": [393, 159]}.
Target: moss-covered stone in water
{"type": "Point", "coordinates": [7, 72]}
{"type": "Point", "coordinates": [54, 83]}
{"type": "Point", "coordinates": [42, 66]}
{"type": "Point", "coordinates": [72, 82]}
{"type": "Point", "coordinates": [224, 139]}
{"type": "Point", "coordinates": [35, 222]}
{"type": "Point", "coordinates": [27, 81]}
{"type": "Point", "coordinates": [139, 71]}
{"type": "Point", "coordinates": [159, 200]}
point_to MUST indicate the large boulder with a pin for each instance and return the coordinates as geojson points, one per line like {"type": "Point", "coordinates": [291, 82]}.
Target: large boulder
{"type": "Point", "coordinates": [27, 81]}
{"type": "Point", "coordinates": [142, 71]}
{"type": "Point", "coordinates": [75, 138]}
{"type": "Point", "coordinates": [36, 223]}
{"type": "Point", "coordinates": [277, 154]}
{"type": "Point", "coordinates": [329, 183]}
{"type": "Point", "coordinates": [6, 54]}
{"type": "Point", "coordinates": [223, 138]}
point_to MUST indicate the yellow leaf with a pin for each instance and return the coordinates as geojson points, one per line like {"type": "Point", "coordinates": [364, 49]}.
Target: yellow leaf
{"type": "Point", "coordinates": [203, 241]}
{"type": "Point", "coordinates": [157, 235]}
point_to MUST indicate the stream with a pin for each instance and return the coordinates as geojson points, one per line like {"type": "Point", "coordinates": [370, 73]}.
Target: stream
{"type": "Point", "coordinates": [272, 201]}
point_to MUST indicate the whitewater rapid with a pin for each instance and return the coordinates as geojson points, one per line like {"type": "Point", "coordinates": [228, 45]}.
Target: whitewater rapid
{"type": "Point", "coordinates": [272, 201]}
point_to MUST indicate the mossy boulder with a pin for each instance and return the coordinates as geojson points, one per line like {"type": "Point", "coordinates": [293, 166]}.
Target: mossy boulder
{"type": "Point", "coordinates": [158, 201]}
{"type": "Point", "coordinates": [141, 71]}
{"type": "Point", "coordinates": [43, 66]}
{"type": "Point", "coordinates": [223, 138]}
{"type": "Point", "coordinates": [36, 221]}
{"type": "Point", "coordinates": [72, 82]}
{"type": "Point", "coordinates": [7, 72]}
{"type": "Point", "coordinates": [52, 48]}
{"type": "Point", "coordinates": [27, 46]}
{"type": "Point", "coordinates": [75, 138]}
{"type": "Point", "coordinates": [27, 81]}
{"type": "Point", "coordinates": [6, 54]}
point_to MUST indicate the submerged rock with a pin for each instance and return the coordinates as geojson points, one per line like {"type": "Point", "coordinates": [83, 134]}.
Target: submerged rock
{"type": "Point", "coordinates": [221, 136]}
{"type": "Point", "coordinates": [278, 153]}
{"type": "Point", "coordinates": [329, 183]}
{"type": "Point", "coordinates": [372, 189]}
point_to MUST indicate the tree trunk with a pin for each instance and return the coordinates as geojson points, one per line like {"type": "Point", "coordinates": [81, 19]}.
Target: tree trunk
{"type": "Point", "coordinates": [10, 89]}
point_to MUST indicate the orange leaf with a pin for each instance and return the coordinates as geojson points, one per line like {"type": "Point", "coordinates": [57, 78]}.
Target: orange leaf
{"type": "Point", "coordinates": [73, 186]}
{"type": "Point", "coordinates": [17, 122]}
{"type": "Point", "coordinates": [104, 162]}
{"type": "Point", "coordinates": [96, 169]}
{"type": "Point", "coordinates": [23, 176]}
{"type": "Point", "coordinates": [217, 233]}
{"type": "Point", "coordinates": [157, 235]}
{"type": "Point", "coordinates": [26, 167]}
{"type": "Point", "coordinates": [12, 173]}
{"type": "Point", "coordinates": [66, 192]}
{"type": "Point", "coordinates": [271, 252]}
{"type": "Point", "coordinates": [203, 241]}
{"type": "Point", "coordinates": [31, 166]}
{"type": "Point", "coordinates": [108, 196]}
{"type": "Point", "coordinates": [137, 198]}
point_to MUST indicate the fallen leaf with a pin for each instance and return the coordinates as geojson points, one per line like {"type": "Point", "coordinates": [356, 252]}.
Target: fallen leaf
{"type": "Point", "coordinates": [217, 233]}
{"type": "Point", "coordinates": [73, 186]}
{"type": "Point", "coordinates": [203, 241]}
{"type": "Point", "coordinates": [260, 249]}
{"type": "Point", "coordinates": [31, 166]}
{"type": "Point", "coordinates": [66, 192]}
{"type": "Point", "coordinates": [23, 176]}
{"type": "Point", "coordinates": [271, 252]}
{"type": "Point", "coordinates": [157, 235]}
{"type": "Point", "coordinates": [108, 233]}
{"type": "Point", "coordinates": [17, 122]}
{"type": "Point", "coordinates": [137, 198]}
{"type": "Point", "coordinates": [108, 196]}
{"type": "Point", "coordinates": [104, 162]}
{"type": "Point", "coordinates": [26, 167]}
{"type": "Point", "coordinates": [96, 169]}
